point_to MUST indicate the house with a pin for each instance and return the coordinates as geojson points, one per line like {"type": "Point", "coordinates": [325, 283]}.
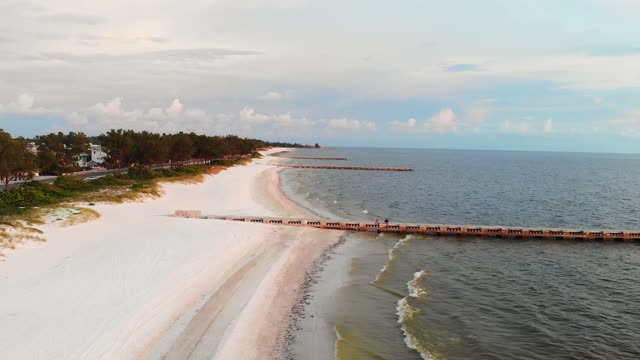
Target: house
{"type": "Point", "coordinates": [93, 164]}
{"type": "Point", "coordinates": [97, 155]}
{"type": "Point", "coordinates": [82, 160]}
{"type": "Point", "coordinates": [32, 148]}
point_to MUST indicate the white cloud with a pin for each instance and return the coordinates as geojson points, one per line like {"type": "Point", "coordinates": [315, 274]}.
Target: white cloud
{"type": "Point", "coordinates": [251, 116]}
{"type": "Point", "coordinates": [409, 124]}
{"type": "Point", "coordinates": [352, 124]}
{"type": "Point", "coordinates": [271, 96]}
{"type": "Point", "coordinates": [520, 128]}
{"type": "Point", "coordinates": [447, 121]}
{"type": "Point", "coordinates": [591, 130]}
{"type": "Point", "coordinates": [597, 100]}
{"type": "Point", "coordinates": [268, 58]}
{"type": "Point", "coordinates": [548, 126]}
{"type": "Point", "coordinates": [443, 122]}
{"type": "Point", "coordinates": [77, 120]}
{"type": "Point", "coordinates": [176, 107]}
{"type": "Point", "coordinates": [628, 125]}
{"type": "Point", "coordinates": [114, 114]}
{"type": "Point", "coordinates": [25, 102]}
{"type": "Point", "coordinates": [288, 120]}
{"type": "Point", "coordinates": [629, 119]}
{"type": "Point", "coordinates": [195, 114]}
{"type": "Point", "coordinates": [478, 113]}
{"type": "Point", "coordinates": [23, 106]}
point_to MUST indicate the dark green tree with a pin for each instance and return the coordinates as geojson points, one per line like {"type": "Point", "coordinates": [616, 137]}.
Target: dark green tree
{"type": "Point", "coordinates": [119, 146]}
{"type": "Point", "coordinates": [181, 147]}
{"type": "Point", "coordinates": [16, 161]}
{"type": "Point", "coordinates": [58, 152]}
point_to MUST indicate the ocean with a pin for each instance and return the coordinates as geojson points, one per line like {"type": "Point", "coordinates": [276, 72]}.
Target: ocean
{"type": "Point", "coordinates": [411, 297]}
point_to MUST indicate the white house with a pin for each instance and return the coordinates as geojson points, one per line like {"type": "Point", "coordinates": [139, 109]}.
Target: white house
{"type": "Point", "coordinates": [97, 155]}
{"type": "Point", "coordinates": [32, 147]}
{"type": "Point", "coordinates": [82, 160]}
{"type": "Point", "coordinates": [93, 158]}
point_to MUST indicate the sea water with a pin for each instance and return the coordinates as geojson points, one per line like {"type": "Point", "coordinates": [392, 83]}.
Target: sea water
{"type": "Point", "coordinates": [415, 296]}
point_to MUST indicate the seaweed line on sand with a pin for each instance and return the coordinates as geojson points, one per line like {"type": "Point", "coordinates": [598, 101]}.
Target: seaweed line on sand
{"type": "Point", "coordinates": [298, 310]}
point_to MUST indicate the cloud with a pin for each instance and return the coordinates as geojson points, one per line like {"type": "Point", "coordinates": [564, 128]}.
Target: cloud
{"type": "Point", "coordinates": [597, 100]}
{"type": "Point", "coordinates": [176, 107]}
{"type": "Point", "coordinates": [461, 68]}
{"type": "Point", "coordinates": [271, 96]}
{"type": "Point", "coordinates": [25, 102]}
{"type": "Point", "coordinates": [250, 115]}
{"type": "Point", "coordinates": [205, 56]}
{"type": "Point", "coordinates": [627, 125]}
{"type": "Point", "coordinates": [23, 106]}
{"type": "Point", "coordinates": [80, 19]}
{"type": "Point", "coordinates": [77, 120]}
{"type": "Point", "coordinates": [21, 7]}
{"type": "Point", "coordinates": [443, 122]}
{"type": "Point", "coordinates": [113, 114]}
{"type": "Point", "coordinates": [632, 118]}
{"type": "Point", "coordinates": [548, 126]}
{"type": "Point", "coordinates": [177, 116]}
{"type": "Point", "coordinates": [156, 39]}
{"type": "Point", "coordinates": [478, 113]}
{"type": "Point", "coordinates": [351, 124]}
{"type": "Point", "coordinates": [447, 121]}
{"type": "Point", "coordinates": [409, 124]}
{"type": "Point", "coordinates": [521, 128]}
{"type": "Point", "coordinates": [585, 130]}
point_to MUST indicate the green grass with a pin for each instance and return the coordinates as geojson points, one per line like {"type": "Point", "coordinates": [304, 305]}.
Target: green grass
{"type": "Point", "coordinates": [139, 182]}
{"type": "Point", "coordinates": [25, 206]}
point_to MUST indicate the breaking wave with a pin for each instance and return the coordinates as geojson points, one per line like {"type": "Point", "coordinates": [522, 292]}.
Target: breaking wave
{"type": "Point", "coordinates": [409, 317]}
{"type": "Point", "coordinates": [393, 258]}
{"type": "Point", "coordinates": [416, 286]}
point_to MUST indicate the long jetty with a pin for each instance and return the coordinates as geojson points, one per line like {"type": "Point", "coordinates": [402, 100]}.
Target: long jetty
{"type": "Point", "coordinates": [332, 167]}
{"type": "Point", "coordinates": [313, 158]}
{"type": "Point", "coordinates": [430, 229]}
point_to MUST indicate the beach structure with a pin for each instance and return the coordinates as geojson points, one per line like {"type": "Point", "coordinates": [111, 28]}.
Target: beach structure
{"type": "Point", "coordinates": [430, 229]}
{"type": "Point", "coordinates": [314, 158]}
{"type": "Point", "coordinates": [332, 167]}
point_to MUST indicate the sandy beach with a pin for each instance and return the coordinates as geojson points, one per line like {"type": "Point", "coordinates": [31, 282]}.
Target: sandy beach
{"type": "Point", "coordinates": [137, 284]}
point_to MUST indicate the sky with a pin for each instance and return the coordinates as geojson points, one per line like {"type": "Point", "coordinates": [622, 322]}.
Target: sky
{"type": "Point", "coordinates": [541, 75]}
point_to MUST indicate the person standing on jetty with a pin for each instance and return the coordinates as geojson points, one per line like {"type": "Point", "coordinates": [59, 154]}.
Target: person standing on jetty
{"type": "Point", "coordinates": [377, 222]}
{"type": "Point", "coordinates": [386, 222]}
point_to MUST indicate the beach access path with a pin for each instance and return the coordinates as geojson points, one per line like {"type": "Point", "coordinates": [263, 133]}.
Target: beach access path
{"type": "Point", "coordinates": [135, 284]}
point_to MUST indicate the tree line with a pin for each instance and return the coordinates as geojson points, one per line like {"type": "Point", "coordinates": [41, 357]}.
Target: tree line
{"type": "Point", "coordinates": [57, 153]}
{"type": "Point", "coordinates": [128, 147]}
{"type": "Point", "coordinates": [16, 162]}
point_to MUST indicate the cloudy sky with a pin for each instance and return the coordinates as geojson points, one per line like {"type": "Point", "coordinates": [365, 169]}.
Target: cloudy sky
{"type": "Point", "coordinates": [493, 74]}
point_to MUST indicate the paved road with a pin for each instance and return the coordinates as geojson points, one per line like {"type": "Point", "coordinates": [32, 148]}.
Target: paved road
{"type": "Point", "coordinates": [52, 179]}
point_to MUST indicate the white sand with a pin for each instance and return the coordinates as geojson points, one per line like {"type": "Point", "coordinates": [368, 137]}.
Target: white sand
{"type": "Point", "coordinates": [138, 284]}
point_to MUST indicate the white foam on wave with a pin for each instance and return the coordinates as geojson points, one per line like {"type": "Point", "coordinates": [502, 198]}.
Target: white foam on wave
{"type": "Point", "coordinates": [392, 256]}
{"type": "Point", "coordinates": [406, 313]}
{"type": "Point", "coordinates": [416, 287]}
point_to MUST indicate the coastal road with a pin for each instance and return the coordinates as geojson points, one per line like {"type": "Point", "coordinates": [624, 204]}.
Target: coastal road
{"type": "Point", "coordinates": [84, 175]}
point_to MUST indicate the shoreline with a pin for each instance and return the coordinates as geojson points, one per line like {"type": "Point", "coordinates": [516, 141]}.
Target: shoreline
{"type": "Point", "coordinates": [134, 283]}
